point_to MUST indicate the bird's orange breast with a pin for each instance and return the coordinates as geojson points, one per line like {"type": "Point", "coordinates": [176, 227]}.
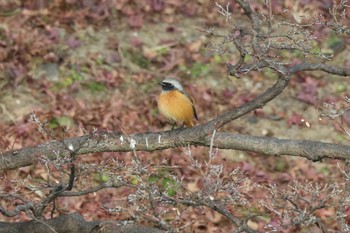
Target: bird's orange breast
{"type": "Point", "coordinates": [176, 106]}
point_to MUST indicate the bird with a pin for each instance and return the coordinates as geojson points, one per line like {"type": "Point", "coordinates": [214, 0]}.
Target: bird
{"type": "Point", "coordinates": [176, 104]}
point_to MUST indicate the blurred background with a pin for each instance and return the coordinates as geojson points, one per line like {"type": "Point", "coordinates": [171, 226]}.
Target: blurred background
{"type": "Point", "coordinates": [82, 65]}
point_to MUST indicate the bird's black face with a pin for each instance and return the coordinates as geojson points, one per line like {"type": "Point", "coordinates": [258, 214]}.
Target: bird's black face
{"type": "Point", "coordinates": [167, 86]}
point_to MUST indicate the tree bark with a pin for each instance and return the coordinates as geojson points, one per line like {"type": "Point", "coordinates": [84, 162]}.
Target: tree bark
{"type": "Point", "coordinates": [116, 142]}
{"type": "Point", "coordinates": [73, 223]}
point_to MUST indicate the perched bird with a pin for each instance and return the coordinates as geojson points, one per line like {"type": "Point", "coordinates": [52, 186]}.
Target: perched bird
{"type": "Point", "coordinates": [176, 104]}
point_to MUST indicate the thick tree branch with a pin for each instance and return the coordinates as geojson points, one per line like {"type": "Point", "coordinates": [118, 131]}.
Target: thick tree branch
{"type": "Point", "coordinates": [330, 69]}
{"type": "Point", "coordinates": [73, 223]}
{"type": "Point", "coordinates": [111, 142]}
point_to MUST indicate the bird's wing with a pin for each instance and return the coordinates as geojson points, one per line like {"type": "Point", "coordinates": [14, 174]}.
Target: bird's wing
{"type": "Point", "coordinates": [194, 109]}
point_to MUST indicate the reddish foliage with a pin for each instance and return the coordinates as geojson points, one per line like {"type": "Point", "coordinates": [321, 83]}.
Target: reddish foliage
{"type": "Point", "coordinates": [99, 88]}
{"type": "Point", "coordinates": [308, 90]}
{"type": "Point", "coordinates": [295, 119]}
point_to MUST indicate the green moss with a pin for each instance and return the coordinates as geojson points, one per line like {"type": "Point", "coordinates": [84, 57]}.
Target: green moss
{"type": "Point", "coordinates": [199, 69]}
{"type": "Point", "coordinates": [340, 87]}
{"type": "Point", "coordinates": [76, 75]}
{"type": "Point", "coordinates": [334, 41]}
{"type": "Point", "coordinates": [168, 184]}
{"type": "Point", "coordinates": [101, 178]}
{"type": "Point", "coordinates": [62, 121]}
{"type": "Point", "coordinates": [95, 86]}
{"type": "Point", "coordinates": [218, 58]}
{"type": "Point", "coordinates": [138, 59]}
{"type": "Point", "coordinates": [281, 165]}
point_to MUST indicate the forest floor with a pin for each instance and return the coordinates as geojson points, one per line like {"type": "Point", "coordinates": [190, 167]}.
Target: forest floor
{"type": "Point", "coordinates": [82, 73]}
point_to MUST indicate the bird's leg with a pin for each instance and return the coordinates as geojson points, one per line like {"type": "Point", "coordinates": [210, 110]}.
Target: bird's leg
{"type": "Point", "coordinates": [172, 128]}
